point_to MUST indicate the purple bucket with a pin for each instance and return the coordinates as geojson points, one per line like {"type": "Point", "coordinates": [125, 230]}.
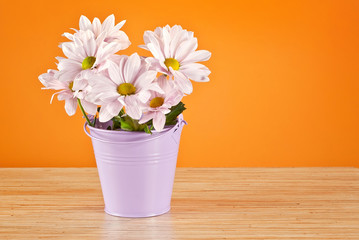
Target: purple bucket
{"type": "Point", "coordinates": [136, 169]}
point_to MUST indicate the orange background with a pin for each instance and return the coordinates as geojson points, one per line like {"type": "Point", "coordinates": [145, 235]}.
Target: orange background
{"type": "Point", "coordinates": [283, 90]}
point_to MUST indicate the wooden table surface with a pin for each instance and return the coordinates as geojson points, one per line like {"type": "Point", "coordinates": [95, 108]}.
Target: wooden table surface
{"type": "Point", "coordinates": [216, 203]}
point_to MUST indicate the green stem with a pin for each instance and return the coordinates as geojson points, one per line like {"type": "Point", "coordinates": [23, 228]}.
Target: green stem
{"type": "Point", "coordinates": [83, 112]}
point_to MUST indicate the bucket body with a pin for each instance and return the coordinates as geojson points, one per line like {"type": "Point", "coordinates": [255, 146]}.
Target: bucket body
{"type": "Point", "coordinates": [136, 169]}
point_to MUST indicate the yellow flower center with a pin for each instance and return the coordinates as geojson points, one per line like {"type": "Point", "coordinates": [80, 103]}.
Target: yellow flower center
{"type": "Point", "coordinates": [126, 89]}
{"type": "Point", "coordinates": [171, 62]}
{"type": "Point", "coordinates": [156, 102]}
{"type": "Point", "coordinates": [71, 85]}
{"type": "Point", "coordinates": [88, 62]}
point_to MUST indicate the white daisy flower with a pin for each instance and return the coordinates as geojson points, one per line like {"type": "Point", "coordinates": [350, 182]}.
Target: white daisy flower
{"type": "Point", "coordinates": [67, 93]}
{"type": "Point", "coordinates": [128, 86]}
{"type": "Point", "coordinates": [84, 54]}
{"type": "Point", "coordinates": [159, 105]}
{"type": "Point", "coordinates": [175, 52]}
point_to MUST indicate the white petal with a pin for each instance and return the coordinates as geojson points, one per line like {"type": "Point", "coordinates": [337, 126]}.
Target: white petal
{"type": "Point", "coordinates": [105, 51]}
{"type": "Point", "coordinates": [121, 66]}
{"type": "Point", "coordinates": [114, 107]}
{"type": "Point", "coordinates": [166, 43]}
{"type": "Point", "coordinates": [79, 84]}
{"type": "Point", "coordinates": [190, 34]}
{"type": "Point", "coordinates": [176, 41]}
{"type": "Point", "coordinates": [96, 26]}
{"type": "Point", "coordinates": [85, 23]}
{"type": "Point", "coordinates": [144, 95]}
{"type": "Point", "coordinates": [162, 81]}
{"type": "Point", "coordinates": [121, 99]}
{"type": "Point", "coordinates": [120, 25]}
{"type": "Point", "coordinates": [53, 95]}
{"type": "Point", "coordinates": [146, 117]}
{"type": "Point", "coordinates": [165, 111]}
{"type": "Point", "coordinates": [121, 39]}
{"type": "Point", "coordinates": [143, 47]}
{"type": "Point", "coordinates": [145, 79]}
{"type": "Point", "coordinates": [68, 75]}
{"type": "Point", "coordinates": [107, 95]}
{"type": "Point", "coordinates": [70, 51]}
{"type": "Point", "coordinates": [103, 88]}
{"type": "Point", "coordinates": [50, 81]}
{"type": "Point", "coordinates": [156, 65]}
{"type": "Point", "coordinates": [155, 40]}
{"type": "Point", "coordinates": [146, 37]}
{"type": "Point", "coordinates": [132, 107]}
{"type": "Point", "coordinates": [131, 67]}
{"type": "Point", "coordinates": [68, 36]}
{"type": "Point", "coordinates": [173, 98]}
{"type": "Point", "coordinates": [159, 121]}
{"type": "Point", "coordinates": [196, 72]}
{"type": "Point", "coordinates": [89, 107]}
{"type": "Point", "coordinates": [155, 87]}
{"type": "Point", "coordinates": [91, 47]}
{"type": "Point", "coordinates": [185, 48]}
{"type": "Point", "coordinates": [197, 77]}
{"type": "Point", "coordinates": [114, 72]}
{"type": "Point", "coordinates": [63, 95]}
{"type": "Point", "coordinates": [69, 64]}
{"type": "Point", "coordinates": [165, 84]}
{"type": "Point", "coordinates": [108, 23]}
{"type": "Point", "coordinates": [156, 52]}
{"type": "Point", "coordinates": [104, 115]}
{"type": "Point", "coordinates": [70, 106]}
{"type": "Point", "coordinates": [101, 38]}
{"type": "Point", "coordinates": [182, 82]}
{"type": "Point", "coordinates": [197, 56]}
{"type": "Point", "coordinates": [158, 31]}
{"type": "Point", "coordinates": [74, 29]}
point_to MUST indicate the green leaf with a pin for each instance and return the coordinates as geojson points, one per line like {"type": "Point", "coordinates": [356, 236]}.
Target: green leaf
{"type": "Point", "coordinates": [171, 117]}
{"type": "Point", "coordinates": [116, 123]}
{"type": "Point", "coordinates": [147, 130]}
{"type": "Point", "coordinates": [129, 124]}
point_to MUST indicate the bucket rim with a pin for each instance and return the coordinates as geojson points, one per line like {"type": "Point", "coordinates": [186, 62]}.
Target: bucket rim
{"type": "Point", "coordinates": [180, 121]}
{"type": "Point", "coordinates": [129, 132]}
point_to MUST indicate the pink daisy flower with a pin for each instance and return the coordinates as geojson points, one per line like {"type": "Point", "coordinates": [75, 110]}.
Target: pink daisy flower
{"type": "Point", "coordinates": [159, 105]}
{"type": "Point", "coordinates": [85, 53]}
{"type": "Point", "coordinates": [129, 84]}
{"type": "Point", "coordinates": [175, 52]}
{"type": "Point", "coordinates": [67, 93]}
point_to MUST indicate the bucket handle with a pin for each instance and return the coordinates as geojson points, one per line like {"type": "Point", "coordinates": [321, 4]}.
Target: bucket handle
{"type": "Point", "coordinates": [180, 122]}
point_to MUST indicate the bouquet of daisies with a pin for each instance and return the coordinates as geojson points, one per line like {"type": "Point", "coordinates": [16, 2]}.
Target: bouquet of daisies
{"type": "Point", "coordinates": [136, 93]}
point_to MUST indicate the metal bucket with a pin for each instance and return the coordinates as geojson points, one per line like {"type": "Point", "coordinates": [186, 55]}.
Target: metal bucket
{"type": "Point", "coordinates": [136, 169]}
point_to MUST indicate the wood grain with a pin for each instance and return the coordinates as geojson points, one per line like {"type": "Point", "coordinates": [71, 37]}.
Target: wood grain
{"type": "Point", "coordinates": [215, 203]}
